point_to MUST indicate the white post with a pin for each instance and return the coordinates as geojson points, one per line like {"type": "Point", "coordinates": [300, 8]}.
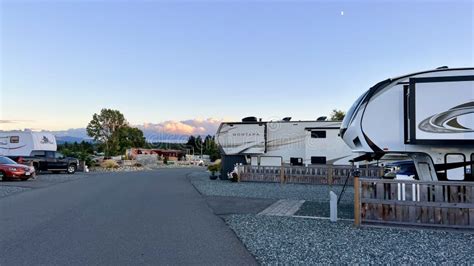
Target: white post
{"type": "Point", "coordinates": [333, 206]}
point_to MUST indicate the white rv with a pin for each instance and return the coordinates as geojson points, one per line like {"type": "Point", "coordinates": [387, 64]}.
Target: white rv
{"type": "Point", "coordinates": [277, 142]}
{"type": "Point", "coordinates": [25, 143]}
{"type": "Point", "coordinates": [427, 116]}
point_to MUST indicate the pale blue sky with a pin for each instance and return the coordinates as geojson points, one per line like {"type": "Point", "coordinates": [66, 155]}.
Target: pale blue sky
{"type": "Point", "coordinates": [61, 61]}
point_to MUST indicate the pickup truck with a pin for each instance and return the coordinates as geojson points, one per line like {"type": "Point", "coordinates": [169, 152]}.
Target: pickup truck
{"type": "Point", "coordinates": [49, 161]}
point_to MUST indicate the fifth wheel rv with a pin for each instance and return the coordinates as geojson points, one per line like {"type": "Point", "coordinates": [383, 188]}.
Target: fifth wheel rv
{"type": "Point", "coordinates": [281, 142]}
{"type": "Point", "coordinates": [426, 116]}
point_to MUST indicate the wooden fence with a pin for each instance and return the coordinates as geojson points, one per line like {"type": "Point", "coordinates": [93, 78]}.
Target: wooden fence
{"type": "Point", "coordinates": [403, 202]}
{"type": "Point", "coordinates": [313, 174]}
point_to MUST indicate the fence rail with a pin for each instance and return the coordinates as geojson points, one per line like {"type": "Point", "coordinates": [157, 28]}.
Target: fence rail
{"type": "Point", "coordinates": [404, 202]}
{"type": "Point", "coordinates": [313, 174]}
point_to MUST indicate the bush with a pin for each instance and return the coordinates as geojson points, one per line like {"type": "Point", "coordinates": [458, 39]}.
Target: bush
{"type": "Point", "coordinates": [109, 164]}
{"type": "Point", "coordinates": [214, 167]}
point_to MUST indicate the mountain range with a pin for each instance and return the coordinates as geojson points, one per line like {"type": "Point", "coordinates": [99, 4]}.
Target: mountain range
{"type": "Point", "coordinates": [171, 131]}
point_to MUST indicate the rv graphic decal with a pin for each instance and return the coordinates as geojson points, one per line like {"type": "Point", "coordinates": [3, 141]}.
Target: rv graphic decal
{"type": "Point", "coordinates": [14, 148]}
{"type": "Point", "coordinates": [45, 140]}
{"type": "Point", "coordinates": [447, 121]}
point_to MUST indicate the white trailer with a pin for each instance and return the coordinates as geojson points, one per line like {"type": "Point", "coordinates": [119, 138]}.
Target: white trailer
{"type": "Point", "coordinates": [25, 143]}
{"type": "Point", "coordinates": [427, 116]}
{"type": "Point", "coordinates": [282, 142]}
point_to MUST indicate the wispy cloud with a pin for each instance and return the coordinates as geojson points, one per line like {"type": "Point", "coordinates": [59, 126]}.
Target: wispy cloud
{"type": "Point", "coordinates": [8, 121]}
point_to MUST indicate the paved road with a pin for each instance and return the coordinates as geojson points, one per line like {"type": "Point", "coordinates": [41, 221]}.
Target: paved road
{"type": "Point", "coordinates": [116, 219]}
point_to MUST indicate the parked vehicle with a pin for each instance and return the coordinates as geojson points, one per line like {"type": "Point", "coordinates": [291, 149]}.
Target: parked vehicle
{"type": "Point", "coordinates": [274, 143]}
{"type": "Point", "coordinates": [11, 170]}
{"type": "Point", "coordinates": [394, 169]}
{"type": "Point", "coordinates": [427, 116]}
{"type": "Point", "coordinates": [37, 149]}
{"type": "Point", "coordinates": [51, 161]}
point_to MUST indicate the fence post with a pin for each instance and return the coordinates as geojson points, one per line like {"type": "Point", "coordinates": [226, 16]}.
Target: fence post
{"type": "Point", "coordinates": [330, 175]}
{"type": "Point", "coordinates": [356, 201]}
{"type": "Point", "coordinates": [282, 174]}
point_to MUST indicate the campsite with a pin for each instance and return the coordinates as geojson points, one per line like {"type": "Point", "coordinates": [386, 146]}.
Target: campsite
{"type": "Point", "coordinates": [236, 133]}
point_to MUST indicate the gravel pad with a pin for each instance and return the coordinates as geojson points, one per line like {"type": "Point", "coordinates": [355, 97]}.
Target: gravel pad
{"type": "Point", "coordinates": [317, 193]}
{"type": "Point", "coordinates": [321, 209]}
{"type": "Point", "coordinates": [285, 240]}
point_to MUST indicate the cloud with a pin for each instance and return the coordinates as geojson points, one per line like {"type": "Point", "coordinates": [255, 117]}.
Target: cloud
{"type": "Point", "coordinates": [185, 127]}
{"type": "Point", "coordinates": [8, 121]}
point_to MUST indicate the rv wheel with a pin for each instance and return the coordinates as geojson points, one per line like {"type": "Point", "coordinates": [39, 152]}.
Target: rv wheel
{"type": "Point", "coordinates": [71, 169]}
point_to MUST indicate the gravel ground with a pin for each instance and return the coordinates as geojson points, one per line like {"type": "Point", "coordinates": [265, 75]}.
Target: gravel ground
{"type": "Point", "coordinates": [321, 209]}
{"type": "Point", "coordinates": [287, 240]}
{"type": "Point", "coordinates": [316, 193]}
{"type": "Point", "coordinates": [8, 190]}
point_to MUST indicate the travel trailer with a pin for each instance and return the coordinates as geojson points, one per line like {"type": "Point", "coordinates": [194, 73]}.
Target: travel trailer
{"type": "Point", "coordinates": [26, 143]}
{"type": "Point", "coordinates": [274, 143]}
{"type": "Point", "coordinates": [426, 116]}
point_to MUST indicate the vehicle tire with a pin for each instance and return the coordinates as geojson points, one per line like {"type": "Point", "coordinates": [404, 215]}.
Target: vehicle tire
{"type": "Point", "coordinates": [4, 177]}
{"type": "Point", "coordinates": [71, 169]}
{"type": "Point", "coordinates": [36, 166]}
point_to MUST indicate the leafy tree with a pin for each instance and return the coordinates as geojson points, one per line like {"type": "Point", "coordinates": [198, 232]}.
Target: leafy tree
{"type": "Point", "coordinates": [337, 115]}
{"type": "Point", "coordinates": [104, 126]}
{"type": "Point", "coordinates": [211, 148]}
{"type": "Point", "coordinates": [128, 137]}
{"type": "Point", "coordinates": [208, 146]}
{"type": "Point", "coordinates": [82, 151]}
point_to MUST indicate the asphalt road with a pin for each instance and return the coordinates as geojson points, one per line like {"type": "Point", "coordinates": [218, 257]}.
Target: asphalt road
{"type": "Point", "coordinates": [116, 219]}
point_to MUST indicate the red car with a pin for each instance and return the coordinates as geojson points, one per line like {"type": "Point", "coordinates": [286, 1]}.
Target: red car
{"type": "Point", "coordinates": [10, 170]}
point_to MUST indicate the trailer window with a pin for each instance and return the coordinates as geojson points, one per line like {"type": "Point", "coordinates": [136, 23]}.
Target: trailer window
{"type": "Point", "coordinates": [318, 160]}
{"type": "Point", "coordinates": [14, 139]}
{"type": "Point", "coordinates": [296, 161]}
{"type": "Point", "coordinates": [455, 173]}
{"type": "Point", "coordinates": [318, 134]}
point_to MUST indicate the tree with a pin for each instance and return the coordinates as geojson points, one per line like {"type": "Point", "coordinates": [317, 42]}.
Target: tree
{"type": "Point", "coordinates": [103, 127]}
{"type": "Point", "coordinates": [199, 146]}
{"type": "Point", "coordinates": [337, 115]}
{"type": "Point", "coordinates": [211, 148]}
{"type": "Point", "coordinates": [128, 137]}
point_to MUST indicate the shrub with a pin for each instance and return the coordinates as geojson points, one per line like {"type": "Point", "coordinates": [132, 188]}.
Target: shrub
{"type": "Point", "coordinates": [214, 167]}
{"type": "Point", "coordinates": [109, 164]}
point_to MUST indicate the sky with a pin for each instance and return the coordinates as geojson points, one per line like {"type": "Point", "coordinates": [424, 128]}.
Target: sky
{"type": "Point", "coordinates": [168, 62]}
